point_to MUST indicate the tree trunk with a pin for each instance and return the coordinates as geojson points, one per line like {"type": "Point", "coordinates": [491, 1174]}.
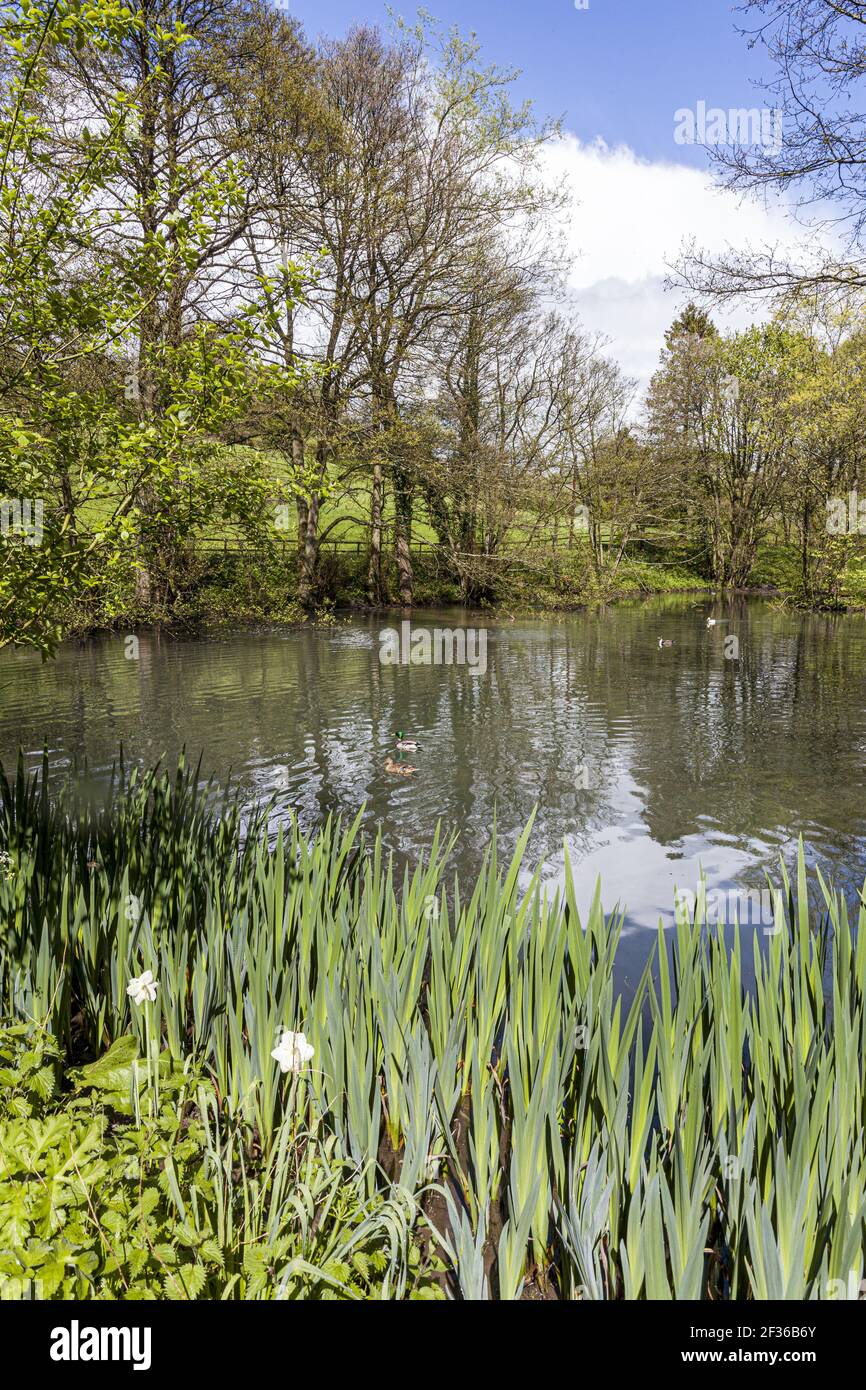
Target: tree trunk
{"type": "Point", "coordinates": [296, 447]}
{"type": "Point", "coordinates": [69, 509]}
{"type": "Point", "coordinates": [402, 538]}
{"type": "Point", "coordinates": [309, 557]}
{"type": "Point", "coordinates": [804, 558]}
{"type": "Point", "coordinates": [374, 564]}
{"type": "Point", "coordinates": [143, 582]}
{"type": "Point", "coordinates": [303, 507]}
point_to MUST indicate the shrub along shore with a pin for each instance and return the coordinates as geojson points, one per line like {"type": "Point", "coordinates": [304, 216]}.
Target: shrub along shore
{"type": "Point", "coordinates": [241, 589]}
{"type": "Point", "coordinates": [245, 1064]}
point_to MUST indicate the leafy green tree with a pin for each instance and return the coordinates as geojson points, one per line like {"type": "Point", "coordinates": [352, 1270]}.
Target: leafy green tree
{"type": "Point", "coordinates": [827, 410]}
{"type": "Point", "coordinates": [693, 322]}
{"type": "Point", "coordinates": [718, 412]}
{"type": "Point", "coordinates": [80, 461]}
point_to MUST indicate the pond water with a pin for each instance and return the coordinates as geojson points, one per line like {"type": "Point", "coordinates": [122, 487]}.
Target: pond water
{"type": "Point", "coordinates": [653, 764]}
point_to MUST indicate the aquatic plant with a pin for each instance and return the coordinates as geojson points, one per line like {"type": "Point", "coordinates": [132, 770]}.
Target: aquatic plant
{"type": "Point", "coordinates": [465, 1058]}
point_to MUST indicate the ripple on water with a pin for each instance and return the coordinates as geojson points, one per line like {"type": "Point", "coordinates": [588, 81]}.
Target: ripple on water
{"type": "Point", "coordinates": [652, 766]}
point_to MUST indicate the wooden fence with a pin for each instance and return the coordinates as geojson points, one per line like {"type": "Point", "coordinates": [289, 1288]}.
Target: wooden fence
{"type": "Point", "coordinates": [239, 545]}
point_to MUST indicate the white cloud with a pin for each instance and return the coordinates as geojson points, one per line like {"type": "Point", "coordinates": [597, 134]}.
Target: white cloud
{"type": "Point", "coordinates": [627, 221]}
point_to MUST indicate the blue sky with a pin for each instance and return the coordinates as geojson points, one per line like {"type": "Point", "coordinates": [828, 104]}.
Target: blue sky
{"type": "Point", "coordinates": [617, 70]}
{"type": "Point", "coordinates": [617, 73]}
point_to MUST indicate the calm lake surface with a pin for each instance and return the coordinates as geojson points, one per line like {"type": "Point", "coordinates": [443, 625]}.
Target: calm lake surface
{"type": "Point", "coordinates": [654, 765]}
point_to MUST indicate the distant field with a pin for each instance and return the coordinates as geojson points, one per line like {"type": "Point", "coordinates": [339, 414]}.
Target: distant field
{"type": "Point", "coordinates": [657, 558]}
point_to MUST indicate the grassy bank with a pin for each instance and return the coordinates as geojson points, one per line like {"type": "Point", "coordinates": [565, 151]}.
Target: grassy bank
{"type": "Point", "coordinates": [260, 587]}
{"type": "Point", "coordinates": [228, 590]}
{"type": "Point", "coordinates": [479, 1116]}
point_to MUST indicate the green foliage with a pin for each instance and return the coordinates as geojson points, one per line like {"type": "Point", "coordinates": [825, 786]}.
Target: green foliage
{"type": "Point", "coordinates": [180, 1206]}
{"type": "Point", "coordinates": [100, 483]}
{"type": "Point", "coordinates": [708, 1141]}
{"type": "Point", "coordinates": [693, 320]}
{"type": "Point", "coordinates": [29, 1066]}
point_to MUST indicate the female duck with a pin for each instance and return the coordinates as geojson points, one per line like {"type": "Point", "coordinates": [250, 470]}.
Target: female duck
{"type": "Point", "coordinates": [399, 769]}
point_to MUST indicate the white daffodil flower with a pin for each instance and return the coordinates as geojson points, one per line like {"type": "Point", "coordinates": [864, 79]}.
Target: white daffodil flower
{"type": "Point", "coordinates": [292, 1051]}
{"type": "Point", "coordinates": [142, 989]}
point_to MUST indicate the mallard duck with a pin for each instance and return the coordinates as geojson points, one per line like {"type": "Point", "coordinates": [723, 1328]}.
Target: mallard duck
{"type": "Point", "coordinates": [401, 769]}
{"type": "Point", "coordinates": [406, 741]}
{"type": "Point", "coordinates": [666, 641]}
